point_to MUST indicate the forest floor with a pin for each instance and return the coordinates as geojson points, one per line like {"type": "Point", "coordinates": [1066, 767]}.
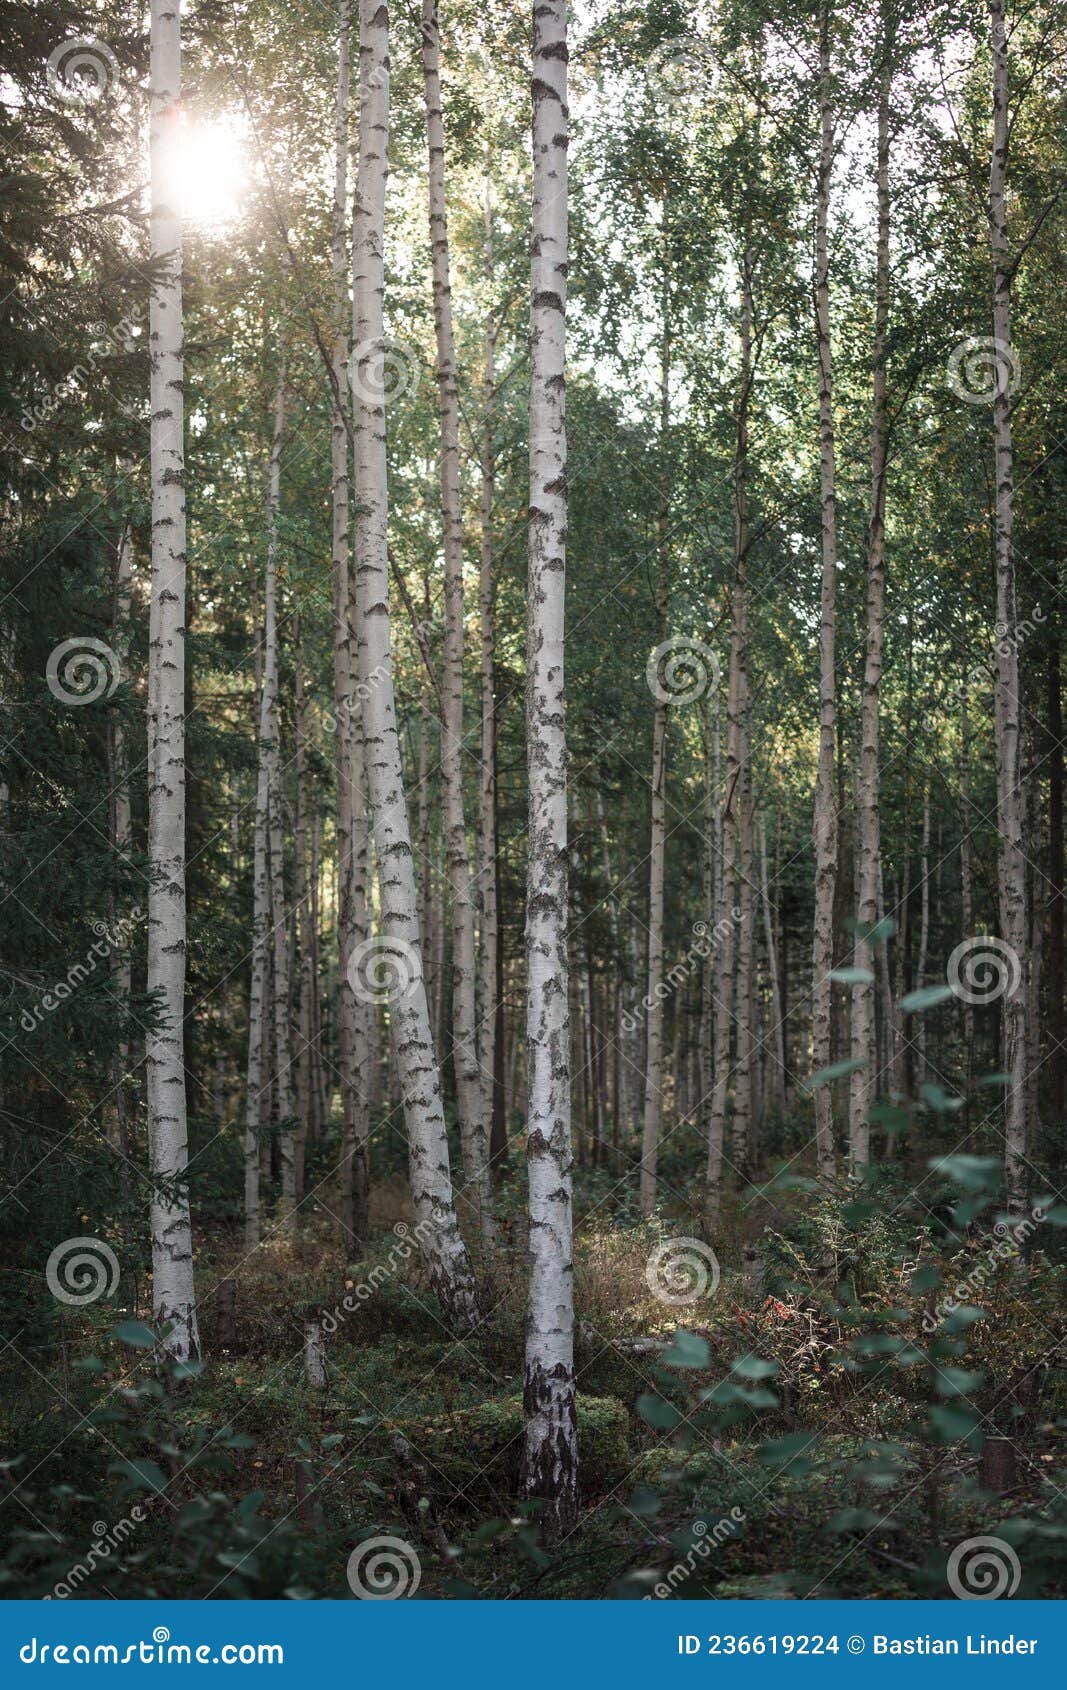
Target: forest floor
{"type": "Point", "coordinates": [781, 1432]}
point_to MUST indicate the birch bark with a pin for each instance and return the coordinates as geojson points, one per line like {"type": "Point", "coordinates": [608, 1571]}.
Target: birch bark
{"type": "Point", "coordinates": [1007, 703]}
{"type": "Point", "coordinates": [825, 817]}
{"type": "Point", "coordinates": [431, 1184]}
{"type": "Point", "coordinates": [868, 796]}
{"type": "Point", "coordinates": [550, 1452]}
{"type": "Point", "coordinates": [173, 1295]}
{"type": "Point", "coordinates": [473, 1128]}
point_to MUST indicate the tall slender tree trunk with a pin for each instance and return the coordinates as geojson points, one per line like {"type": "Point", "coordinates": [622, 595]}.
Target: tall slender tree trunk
{"type": "Point", "coordinates": [778, 1089]}
{"type": "Point", "coordinates": [352, 1013]}
{"type": "Point", "coordinates": [966, 850]}
{"type": "Point", "coordinates": [657, 845]}
{"type": "Point", "coordinates": [431, 1183]}
{"type": "Point", "coordinates": [550, 1451]}
{"type": "Point", "coordinates": [173, 1294]}
{"type": "Point", "coordinates": [258, 987]}
{"type": "Point", "coordinates": [924, 937]}
{"type": "Point", "coordinates": [121, 838]}
{"type": "Point", "coordinates": [868, 783]}
{"type": "Point", "coordinates": [490, 1009]}
{"type": "Point", "coordinates": [473, 1127]}
{"type": "Point", "coordinates": [1007, 702]}
{"type": "Point", "coordinates": [303, 950]}
{"type": "Point", "coordinates": [825, 818]}
{"type": "Point", "coordinates": [1057, 952]}
{"type": "Point", "coordinates": [270, 741]}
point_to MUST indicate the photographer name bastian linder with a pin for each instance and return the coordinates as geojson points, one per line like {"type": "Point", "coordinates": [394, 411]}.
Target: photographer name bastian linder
{"type": "Point", "coordinates": [981, 1645]}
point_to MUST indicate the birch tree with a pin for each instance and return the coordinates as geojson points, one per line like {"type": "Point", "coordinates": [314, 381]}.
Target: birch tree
{"type": "Point", "coordinates": [431, 1183]}
{"type": "Point", "coordinates": [550, 1449]}
{"type": "Point", "coordinates": [352, 1013]}
{"type": "Point", "coordinates": [868, 781]}
{"type": "Point", "coordinates": [1007, 704]}
{"type": "Point", "coordinates": [472, 1122]}
{"type": "Point", "coordinates": [173, 1295]}
{"type": "Point", "coordinates": [825, 818]}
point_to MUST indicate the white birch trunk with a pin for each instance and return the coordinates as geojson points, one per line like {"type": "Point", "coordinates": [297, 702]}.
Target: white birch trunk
{"type": "Point", "coordinates": [473, 1133]}
{"type": "Point", "coordinates": [825, 816]}
{"type": "Point", "coordinates": [270, 742]}
{"type": "Point", "coordinates": [431, 1183]}
{"type": "Point", "coordinates": [868, 815]}
{"type": "Point", "coordinates": [173, 1297]}
{"type": "Point", "coordinates": [1008, 706]}
{"type": "Point", "coordinates": [550, 1452]}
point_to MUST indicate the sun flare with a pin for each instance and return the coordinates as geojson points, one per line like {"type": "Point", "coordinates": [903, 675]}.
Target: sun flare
{"type": "Point", "coordinates": [209, 172]}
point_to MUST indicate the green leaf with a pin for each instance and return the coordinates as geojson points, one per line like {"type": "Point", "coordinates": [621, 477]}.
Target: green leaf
{"type": "Point", "coordinates": [927, 1278]}
{"type": "Point", "coordinates": [852, 976]}
{"type": "Point", "coordinates": [889, 1116]}
{"type": "Point", "coordinates": [657, 1412]}
{"type": "Point", "coordinates": [754, 1367]}
{"type": "Point", "coordinates": [687, 1350]}
{"type": "Point", "coordinates": [871, 932]}
{"type": "Point", "coordinates": [135, 1333]}
{"type": "Point", "coordinates": [861, 1520]}
{"type": "Point", "coordinates": [937, 1098]}
{"type": "Point", "coordinates": [994, 1080]}
{"type": "Point", "coordinates": [836, 1071]}
{"type": "Point", "coordinates": [974, 1173]}
{"type": "Point", "coordinates": [790, 1454]}
{"type": "Point", "coordinates": [925, 998]}
{"type": "Point", "coordinates": [951, 1424]}
{"type": "Point", "coordinates": [141, 1474]}
{"type": "Point", "coordinates": [957, 1381]}
{"type": "Point", "coordinates": [965, 1316]}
